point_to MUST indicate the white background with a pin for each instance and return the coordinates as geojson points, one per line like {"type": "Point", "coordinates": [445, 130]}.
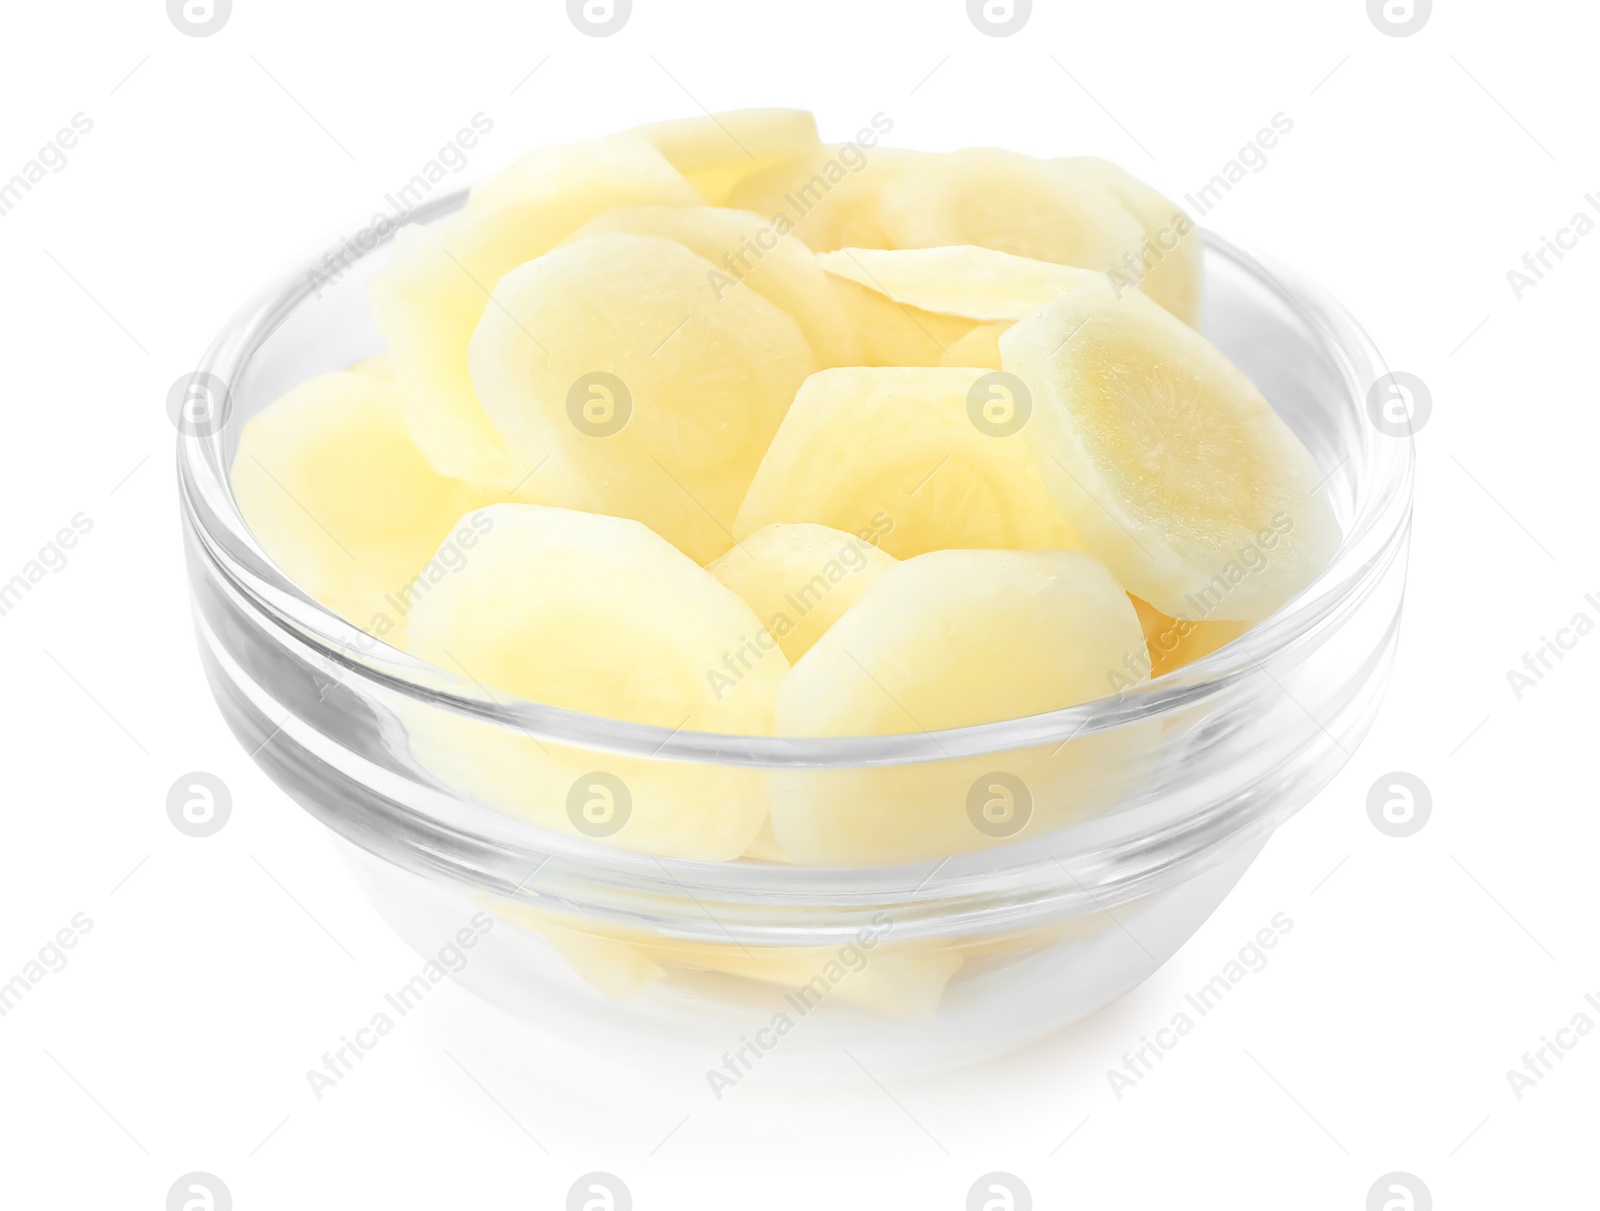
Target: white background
{"type": "Point", "coordinates": [1419, 170]}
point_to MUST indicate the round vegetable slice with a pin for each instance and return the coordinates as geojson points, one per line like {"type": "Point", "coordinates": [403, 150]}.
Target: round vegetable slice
{"type": "Point", "coordinates": [962, 280]}
{"type": "Point", "coordinates": [380, 365]}
{"type": "Point", "coordinates": [428, 299]}
{"type": "Point", "coordinates": [715, 152]}
{"type": "Point", "coordinates": [947, 640]}
{"type": "Point", "coordinates": [956, 638]}
{"type": "Point", "coordinates": [1082, 212]}
{"type": "Point", "coordinates": [340, 497]}
{"type": "Point", "coordinates": [830, 197]}
{"type": "Point", "coordinates": [1167, 461]}
{"type": "Point", "coordinates": [613, 367]}
{"type": "Point", "coordinates": [980, 348]}
{"type": "Point", "coordinates": [1167, 264]}
{"type": "Point", "coordinates": [926, 457]}
{"type": "Point", "coordinates": [893, 334]}
{"type": "Point", "coordinates": [745, 249]}
{"type": "Point", "coordinates": [599, 615]}
{"type": "Point", "coordinates": [1042, 209]}
{"type": "Point", "coordinates": [799, 579]}
{"type": "Point", "coordinates": [903, 980]}
{"type": "Point", "coordinates": [1175, 642]}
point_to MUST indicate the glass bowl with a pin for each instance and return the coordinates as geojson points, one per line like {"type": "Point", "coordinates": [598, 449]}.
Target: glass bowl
{"type": "Point", "coordinates": [1170, 791]}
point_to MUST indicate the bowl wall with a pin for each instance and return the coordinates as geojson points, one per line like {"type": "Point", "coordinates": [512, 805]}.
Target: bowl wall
{"type": "Point", "coordinates": [937, 941]}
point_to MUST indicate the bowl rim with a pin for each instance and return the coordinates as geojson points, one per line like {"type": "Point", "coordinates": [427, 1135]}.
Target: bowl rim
{"type": "Point", "coordinates": [1381, 470]}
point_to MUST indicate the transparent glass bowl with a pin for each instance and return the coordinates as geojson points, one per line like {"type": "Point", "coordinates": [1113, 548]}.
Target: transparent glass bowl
{"type": "Point", "coordinates": [927, 964]}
